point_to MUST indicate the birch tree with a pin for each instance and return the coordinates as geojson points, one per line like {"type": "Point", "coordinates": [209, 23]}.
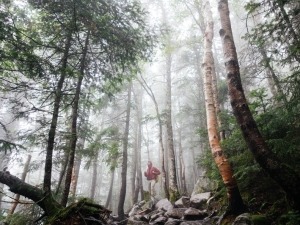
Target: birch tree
{"type": "Point", "coordinates": [236, 204]}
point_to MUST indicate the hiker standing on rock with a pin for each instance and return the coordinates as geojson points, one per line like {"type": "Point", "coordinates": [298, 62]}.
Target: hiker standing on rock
{"type": "Point", "coordinates": [152, 175]}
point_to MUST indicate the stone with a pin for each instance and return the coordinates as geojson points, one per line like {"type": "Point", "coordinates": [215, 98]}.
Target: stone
{"type": "Point", "coordinates": [195, 214]}
{"type": "Point", "coordinates": [211, 221]}
{"type": "Point", "coordinates": [172, 221]}
{"type": "Point", "coordinates": [164, 204]}
{"type": "Point", "coordinates": [159, 220]}
{"type": "Point", "coordinates": [176, 213]}
{"type": "Point", "coordinates": [199, 201]}
{"type": "Point", "coordinates": [136, 222]}
{"type": "Point", "coordinates": [183, 202]}
{"type": "Point", "coordinates": [204, 184]}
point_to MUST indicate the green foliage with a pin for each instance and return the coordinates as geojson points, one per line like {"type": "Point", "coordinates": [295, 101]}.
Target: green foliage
{"type": "Point", "coordinates": [206, 161]}
{"type": "Point", "coordinates": [19, 218]}
{"type": "Point", "coordinates": [9, 146]}
{"type": "Point", "coordinates": [108, 141]}
{"type": "Point", "coordinates": [291, 218]}
{"type": "Point", "coordinates": [26, 216]}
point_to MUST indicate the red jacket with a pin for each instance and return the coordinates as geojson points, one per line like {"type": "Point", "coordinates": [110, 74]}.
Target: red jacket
{"type": "Point", "coordinates": [152, 172]}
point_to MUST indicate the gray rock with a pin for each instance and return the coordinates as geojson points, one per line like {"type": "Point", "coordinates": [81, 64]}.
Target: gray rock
{"type": "Point", "coordinates": [172, 221]}
{"type": "Point", "coordinates": [159, 220]}
{"type": "Point", "coordinates": [183, 202]}
{"type": "Point", "coordinates": [210, 221]}
{"type": "Point", "coordinates": [164, 204]}
{"type": "Point", "coordinates": [176, 213]}
{"type": "Point", "coordinates": [195, 214]}
{"type": "Point", "coordinates": [199, 201]}
{"type": "Point", "coordinates": [157, 214]}
{"type": "Point", "coordinates": [204, 185]}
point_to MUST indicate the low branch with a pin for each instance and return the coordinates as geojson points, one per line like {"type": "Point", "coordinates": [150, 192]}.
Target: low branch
{"type": "Point", "coordinates": [17, 186]}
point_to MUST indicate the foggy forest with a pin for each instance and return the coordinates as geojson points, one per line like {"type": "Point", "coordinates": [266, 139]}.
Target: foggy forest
{"type": "Point", "coordinates": [179, 112]}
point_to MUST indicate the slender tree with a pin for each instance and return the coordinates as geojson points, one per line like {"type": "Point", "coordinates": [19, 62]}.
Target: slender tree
{"type": "Point", "coordinates": [125, 158]}
{"type": "Point", "coordinates": [24, 174]}
{"type": "Point", "coordinates": [160, 135]}
{"type": "Point", "coordinates": [73, 139]}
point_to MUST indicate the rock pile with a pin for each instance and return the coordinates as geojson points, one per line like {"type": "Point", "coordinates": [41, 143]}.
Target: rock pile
{"type": "Point", "coordinates": [185, 211]}
{"type": "Point", "coordinates": [195, 210]}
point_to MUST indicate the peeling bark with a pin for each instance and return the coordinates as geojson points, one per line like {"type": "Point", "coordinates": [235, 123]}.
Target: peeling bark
{"type": "Point", "coordinates": [236, 204]}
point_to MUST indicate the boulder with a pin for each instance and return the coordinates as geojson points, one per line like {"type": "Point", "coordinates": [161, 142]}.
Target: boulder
{"type": "Point", "coordinates": [131, 221]}
{"type": "Point", "coordinates": [204, 185]}
{"type": "Point", "coordinates": [176, 213]}
{"type": "Point", "coordinates": [172, 221]}
{"type": "Point", "coordinates": [194, 214]}
{"type": "Point", "coordinates": [164, 204]}
{"type": "Point", "coordinates": [183, 202]}
{"type": "Point", "coordinates": [160, 220]}
{"type": "Point", "coordinates": [199, 201]}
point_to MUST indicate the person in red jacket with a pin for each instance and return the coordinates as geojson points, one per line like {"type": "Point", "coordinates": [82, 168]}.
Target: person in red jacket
{"type": "Point", "coordinates": [152, 175]}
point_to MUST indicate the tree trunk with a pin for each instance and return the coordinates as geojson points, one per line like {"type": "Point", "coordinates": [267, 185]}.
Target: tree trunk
{"type": "Point", "coordinates": [80, 145]}
{"type": "Point", "coordinates": [4, 160]}
{"type": "Point", "coordinates": [24, 174]}
{"type": "Point", "coordinates": [94, 176]}
{"type": "Point", "coordinates": [109, 196]}
{"type": "Point", "coordinates": [160, 137]}
{"type": "Point", "coordinates": [74, 124]}
{"type": "Point", "coordinates": [288, 179]}
{"type": "Point", "coordinates": [182, 164]}
{"type": "Point", "coordinates": [134, 159]}
{"type": "Point", "coordinates": [173, 187]}
{"type": "Point", "coordinates": [125, 155]}
{"type": "Point", "coordinates": [78, 213]}
{"type": "Point", "coordinates": [57, 100]}
{"type": "Point", "coordinates": [42, 199]}
{"type": "Point", "coordinates": [236, 204]}
{"type": "Point", "coordinates": [139, 177]}
{"type": "Point", "coordinates": [62, 171]}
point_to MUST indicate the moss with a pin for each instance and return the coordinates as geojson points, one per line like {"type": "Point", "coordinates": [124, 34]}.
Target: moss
{"type": "Point", "coordinates": [174, 196]}
{"type": "Point", "coordinates": [78, 212]}
{"type": "Point", "coordinates": [147, 196]}
{"type": "Point", "coordinates": [260, 220]}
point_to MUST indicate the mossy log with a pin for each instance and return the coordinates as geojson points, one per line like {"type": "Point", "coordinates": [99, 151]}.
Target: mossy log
{"type": "Point", "coordinates": [82, 212]}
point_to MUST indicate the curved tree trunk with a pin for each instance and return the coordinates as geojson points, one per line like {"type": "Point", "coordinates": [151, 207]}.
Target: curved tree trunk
{"type": "Point", "coordinates": [236, 204]}
{"type": "Point", "coordinates": [288, 179]}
